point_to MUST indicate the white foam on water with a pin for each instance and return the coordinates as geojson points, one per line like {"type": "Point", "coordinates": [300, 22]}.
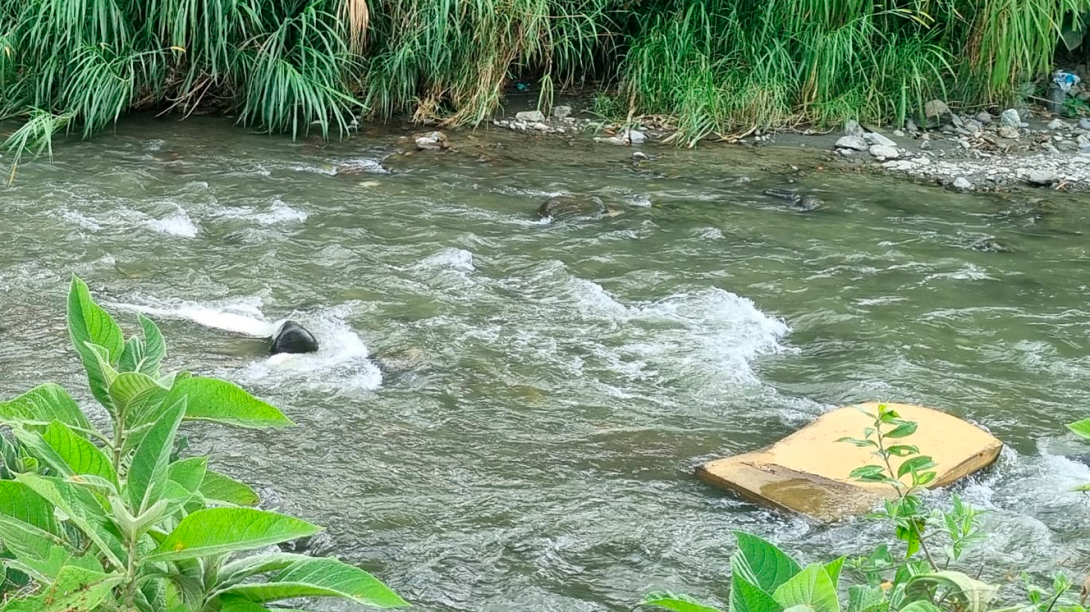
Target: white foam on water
{"type": "Point", "coordinates": [641, 200]}
{"type": "Point", "coordinates": [241, 316]}
{"type": "Point", "coordinates": [459, 260]}
{"type": "Point", "coordinates": [709, 233]}
{"type": "Point", "coordinates": [342, 363]}
{"type": "Point", "coordinates": [178, 224]}
{"type": "Point", "coordinates": [78, 218]}
{"type": "Point", "coordinates": [277, 212]}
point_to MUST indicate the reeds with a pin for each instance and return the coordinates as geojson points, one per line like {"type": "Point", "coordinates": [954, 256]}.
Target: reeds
{"type": "Point", "coordinates": [709, 67]}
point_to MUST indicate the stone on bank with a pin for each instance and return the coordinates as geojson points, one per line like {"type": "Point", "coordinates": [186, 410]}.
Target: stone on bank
{"type": "Point", "coordinates": [808, 471]}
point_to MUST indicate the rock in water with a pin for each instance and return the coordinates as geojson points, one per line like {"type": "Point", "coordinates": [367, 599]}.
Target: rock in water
{"type": "Point", "coordinates": [1043, 178]}
{"type": "Point", "coordinates": [809, 203]}
{"type": "Point", "coordinates": [882, 152]}
{"type": "Point", "coordinates": [566, 206]}
{"type": "Point", "coordinates": [636, 137]}
{"type": "Point", "coordinates": [434, 141]}
{"type": "Point", "coordinates": [962, 184]}
{"type": "Point", "coordinates": [291, 337]}
{"type": "Point", "coordinates": [810, 472]}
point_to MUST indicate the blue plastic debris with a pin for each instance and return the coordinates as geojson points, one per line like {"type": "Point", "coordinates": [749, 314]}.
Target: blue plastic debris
{"type": "Point", "coordinates": [1064, 80]}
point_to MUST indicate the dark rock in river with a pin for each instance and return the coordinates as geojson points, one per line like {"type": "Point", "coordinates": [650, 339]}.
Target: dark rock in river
{"type": "Point", "coordinates": [566, 206]}
{"type": "Point", "coordinates": [807, 203]}
{"type": "Point", "coordinates": [291, 337]}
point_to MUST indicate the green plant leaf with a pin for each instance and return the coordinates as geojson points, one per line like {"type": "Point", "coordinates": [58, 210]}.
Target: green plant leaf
{"type": "Point", "coordinates": [211, 399]}
{"type": "Point", "coordinates": [920, 606]}
{"type": "Point", "coordinates": [76, 588]}
{"type": "Point", "coordinates": [234, 603]}
{"type": "Point", "coordinates": [833, 569]}
{"type": "Point", "coordinates": [41, 406]}
{"type": "Point", "coordinates": [972, 595]}
{"type": "Point", "coordinates": [902, 450]}
{"type": "Point", "coordinates": [28, 527]}
{"type": "Point", "coordinates": [88, 324]}
{"type": "Point", "coordinates": [82, 509]}
{"type": "Point", "coordinates": [762, 563]}
{"type": "Point", "coordinates": [214, 531]}
{"type": "Point", "coordinates": [132, 392]}
{"type": "Point", "coordinates": [189, 473]}
{"type": "Point", "coordinates": [132, 356]}
{"type": "Point", "coordinates": [800, 608]}
{"type": "Point", "coordinates": [915, 464]}
{"type": "Point", "coordinates": [155, 347]}
{"type": "Point", "coordinates": [865, 598]}
{"type": "Point", "coordinates": [677, 603]}
{"type": "Point", "coordinates": [1080, 428]}
{"type": "Point", "coordinates": [903, 430]}
{"type": "Point", "coordinates": [746, 596]}
{"type": "Point", "coordinates": [811, 587]}
{"type": "Point", "coordinates": [79, 454]}
{"type": "Point", "coordinates": [150, 463]}
{"type": "Point", "coordinates": [47, 566]}
{"type": "Point", "coordinates": [240, 569]}
{"type": "Point", "coordinates": [321, 577]}
{"type": "Point", "coordinates": [222, 488]}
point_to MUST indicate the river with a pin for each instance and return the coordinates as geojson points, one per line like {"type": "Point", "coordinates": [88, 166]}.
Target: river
{"type": "Point", "coordinates": [568, 375]}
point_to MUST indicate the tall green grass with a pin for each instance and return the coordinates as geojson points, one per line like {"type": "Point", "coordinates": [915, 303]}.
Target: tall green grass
{"type": "Point", "coordinates": [708, 67]}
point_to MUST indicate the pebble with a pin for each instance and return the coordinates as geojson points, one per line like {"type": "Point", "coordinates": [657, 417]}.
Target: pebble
{"type": "Point", "coordinates": [1007, 131]}
{"type": "Point", "coordinates": [898, 133]}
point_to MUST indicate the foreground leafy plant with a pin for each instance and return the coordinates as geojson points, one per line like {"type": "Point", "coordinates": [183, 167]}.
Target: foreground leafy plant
{"type": "Point", "coordinates": [90, 521]}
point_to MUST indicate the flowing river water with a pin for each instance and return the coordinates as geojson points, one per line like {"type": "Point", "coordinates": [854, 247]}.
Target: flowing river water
{"type": "Point", "coordinates": [566, 376]}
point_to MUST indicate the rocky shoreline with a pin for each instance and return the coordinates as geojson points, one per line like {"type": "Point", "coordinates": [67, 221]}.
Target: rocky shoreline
{"type": "Point", "coordinates": [982, 153]}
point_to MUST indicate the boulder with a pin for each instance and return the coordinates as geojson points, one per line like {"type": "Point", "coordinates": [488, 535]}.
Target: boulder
{"type": "Point", "coordinates": [561, 112]}
{"type": "Point", "coordinates": [883, 152]}
{"type": "Point", "coordinates": [433, 141]}
{"type": "Point", "coordinates": [809, 471]}
{"type": "Point", "coordinates": [1058, 124]}
{"type": "Point", "coordinates": [534, 116]}
{"type": "Point", "coordinates": [290, 337]}
{"type": "Point", "coordinates": [1042, 178]}
{"type": "Point", "coordinates": [1010, 118]}
{"type": "Point", "coordinates": [875, 138]}
{"type": "Point", "coordinates": [853, 142]}
{"type": "Point", "coordinates": [985, 118]}
{"type": "Point", "coordinates": [636, 137]}
{"type": "Point", "coordinates": [962, 184]}
{"type": "Point", "coordinates": [567, 206]}
{"type": "Point", "coordinates": [936, 112]}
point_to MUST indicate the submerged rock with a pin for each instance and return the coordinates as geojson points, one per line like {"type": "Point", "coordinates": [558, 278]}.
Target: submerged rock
{"type": "Point", "coordinates": [806, 203]}
{"type": "Point", "coordinates": [567, 206]}
{"type": "Point", "coordinates": [291, 337]}
{"type": "Point", "coordinates": [990, 245]}
{"type": "Point", "coordinates": [400, 361]}
{"type": "Point", "coordinates": [433, 141]}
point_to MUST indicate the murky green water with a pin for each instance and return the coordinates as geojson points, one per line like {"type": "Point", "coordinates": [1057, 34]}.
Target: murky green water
{"type": "Point", "coordinates": [573, 373]}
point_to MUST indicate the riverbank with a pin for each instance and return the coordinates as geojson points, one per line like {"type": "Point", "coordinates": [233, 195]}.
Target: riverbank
{"type": "Point", "coordinates": [980, 153]}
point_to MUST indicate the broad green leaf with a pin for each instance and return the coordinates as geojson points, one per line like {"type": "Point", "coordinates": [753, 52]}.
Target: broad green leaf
{"type": "Point", "coordinates": [88, 324]}
{"type": "Point", "coordinates": [833, 569]}
{"type": "Point", "coordinates": [155, 348]}
{"type": "Point", "coordinates": [100, 375]}
{"type": "Point", "coordinates": [79, 454]}
{"type": "Point", "coordinates": [133, 355]}
{"type": "Point", "coordinates": [243, 568]}
{"type": "Point", "coordinates": [677, 603]}
{"type": "Point", "coordinates": [76, 588]}
{"type": "Point", "coordinates": [43, 405]}
{"type": "Point", "coordinates": [902, 450]}
{"type": "Point", "coordinates": [234, 603]}
{"type": "Point", "coordinates": [20, 502]}
{"type": "Point", "coordinates": [189, 473]}
{"type": "Point", "coordinates": [905, 429]}
{"type": "Point", "coordinates": [915, 464]}
{"type": "Point", "coordinates": [321, 577]}
{"type": "Point", "coordinates": [214, 531]}
{"type": "Point", "coordinates": [746, 596]}
{"type": "Point", "coordinates": [82, 509]}
{"type": "Point", "coordinates": [211, 399]}
{"type": "Point", "coordinates": [762, 563]}
{"type": "Point", "coordinates": [47, 566]}
{"type": "Point", "coordinates": [972, 595]}
{"type": "Point", "coordinates": [800, 608]}
{"type": "Point", "coordinates": [811, 587]}
{"type": "Point", "coordinates": [131, 393]}
{"type": "Point", "coordinates": [864, 598]}
{"type": "Point", "coordinates": [1081, 428]}
{"type": "Point", "coordinates": [150, 463]}
{"type": "Point", "coordinates": [222, 488]}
